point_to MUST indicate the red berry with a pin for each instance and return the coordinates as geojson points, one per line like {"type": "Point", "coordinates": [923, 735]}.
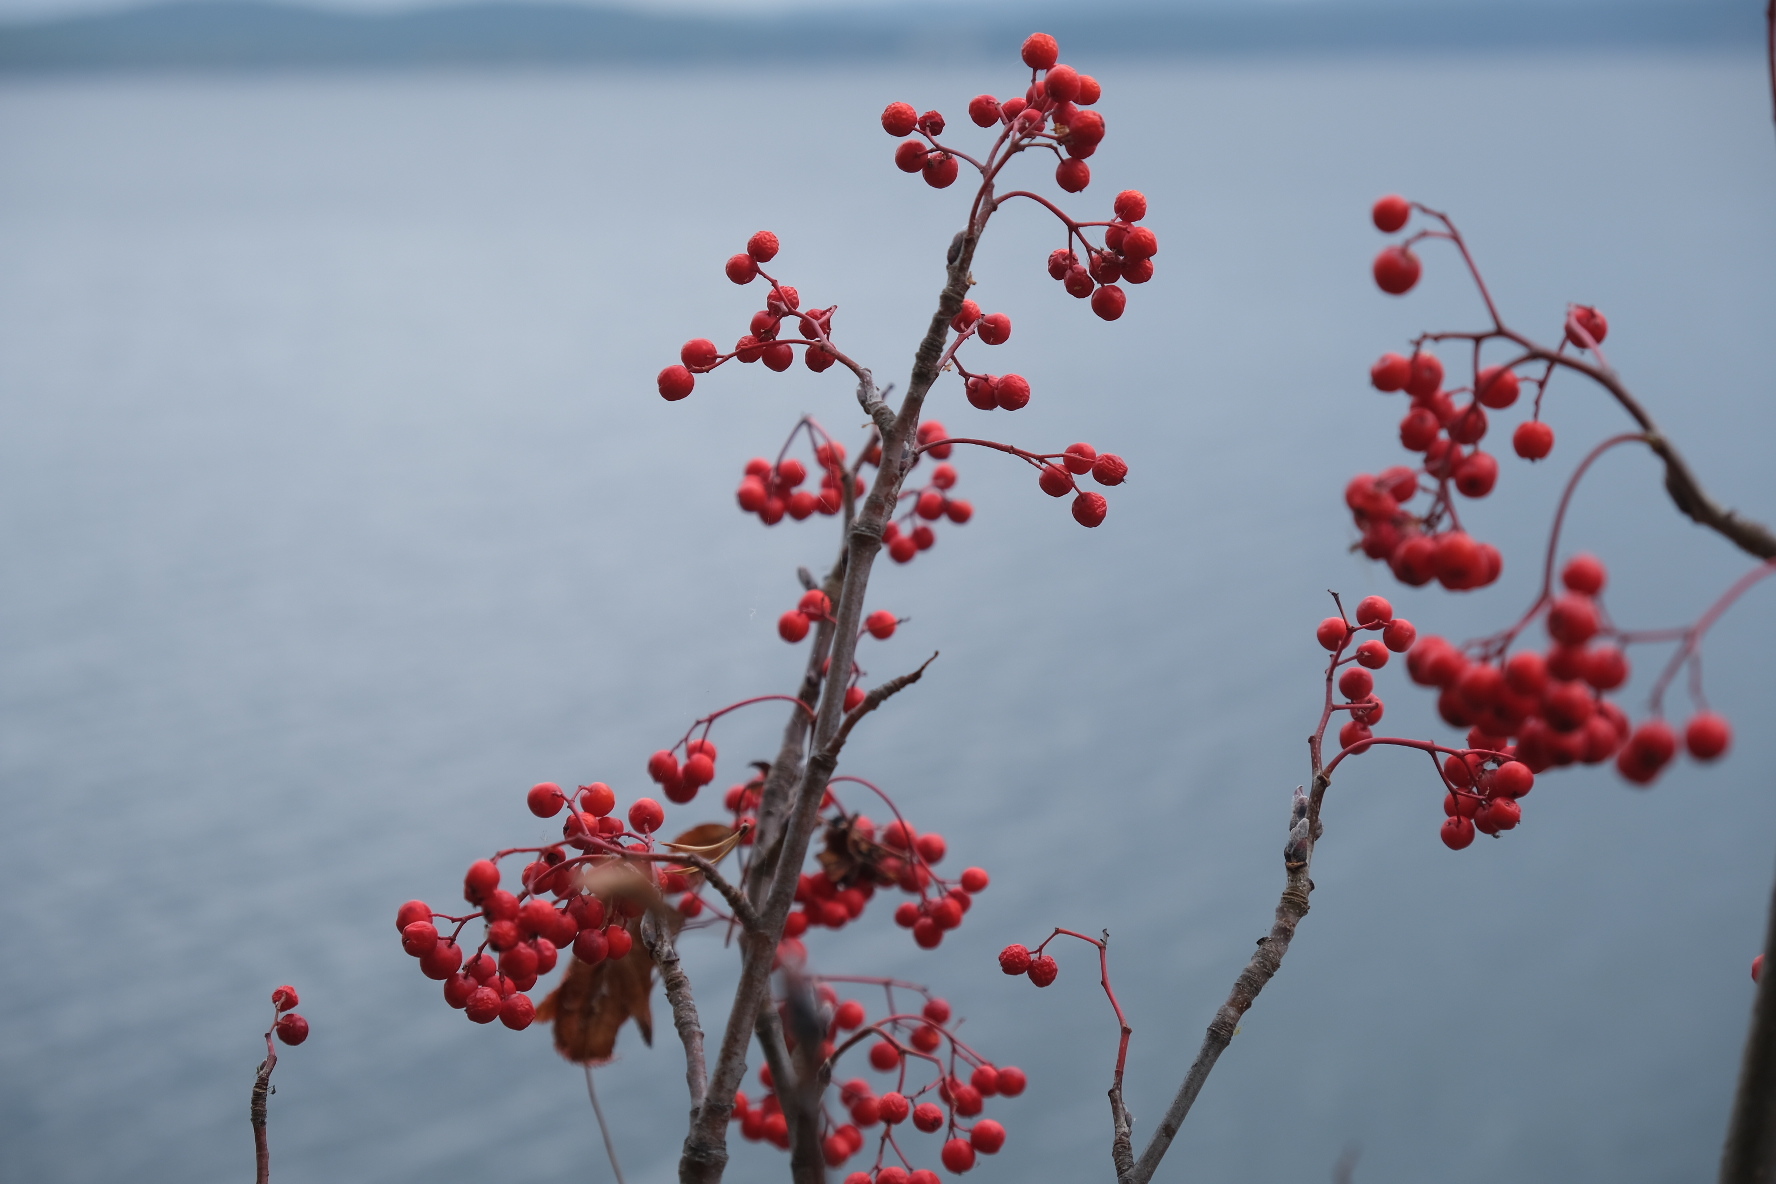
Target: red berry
{"type": "Point", "coordinates": [1468, 426]}
{"type": "Point", "coordinates": [1043, 970]}
{"type": "Point", "coordinates": [1079, 458]}
{"type": "Point", "coordinates": [1073, 175]}
{"type": "Point", "coordinates": [1513, 779]}
{"type": "Point", "coordinates": [884, 1056]}
{"type": "Point", "coordinates": [516, 1011]}
{"type": "Point", "coordinates": [940, 170]}
{"type": "Point", "coordinates": [1649, 749]}
{"type": "Point", "coordinates": [995, 329]}
{"type": "Point", "coordinates": [927, 933]}
{"type": "Point", "coordinates": [1396, 270]}
{"type": "Point", "coordinates": [483, 1006]}
{"type": "Point", "coordinates": [284, 998]}
{"type": "Point", "coordinates": [1109, 469]}
{"type": "Point", "coordinates": [1390, 213]}
{"type": "Point", "coordinates": [792, 626]}
{"type": "Point", "coordinates": [675, 383]}
{"type": "Point", "coordinates": [958, 1155]}
{"type": "Point", "coordinates": [1041, 51]}
{"type": "Point", "coordinates": [742, 269]}
{"type": "Point", "coordinates": [1356, 683]}
{"type": "Point", "coordinates": [1390, 372]}
{"type": "Point", "coordinates": [910, 157]}
{"type": "Point", "coordinates": [1707, 736]}
{"type": "Point", "coordinates": [1137, 271]}
{"type": "Point", "coordinates": [1089, 91]}
{"type": "Point", "coordinates": [1457, 832]}
{"type": "Point", "coordinates": [1399, 635]}
{"type": "Point", "coordinates": [413, 910]}
{"type": "Point", "coordinates": [975, 880]}
{"type": "Point", "coordinates": [292, 1029]}
{"type": "Point", "coordinates": [1498, 814]}
{"type": "Point", "coordinates": [899, 119]}
{"type": "Point", "coordinates": [482, 878]}
{"type": "Point", "coordinates": [1011, 391]}
{"type": "Point", "coordinates": [1332, 632]}
{"type": "Point", "coordinates": [1584, 574]}
{"type": "Point", "coordinates": [1476, 475]}
{"type": "Point", "coordinates": [546, 799]}
{"type": "Point", "coordinates": [1372, 654]}
{"type": "Point", "coordinates": [1014, 959]}
{"type": "Point", "coordinates": [1140, 243]}
{"type": "Point", "coordinates": [1055, 481]}
{"type": "Point", "coordinates": [958, 510]}
{"type": "Point", "coordinates": [1374, 610]}
{"type": "Point", "coordinates": [1591, 321]}
{"type": "Point", "coordinates": [1573, 619]}
{"type": "Point", "coordinates": [645, 816]}
{"type": "Point", "coordinates": [1497, 387]}
{"type": "Point", "coordinates": [1090, 508]}
{"type": "Point", "coordinates": [1426, 375]}
{"type": "Point", "coordinates": [1108, 302]}
{"type": "Point", "coordinates": [1533, 439]}
{"type": "Point", "coordinates": [988, 1136]}
{"type": "Point", "coordinates": [931, 847]}
{"type": "Point", "coordinates": [928, 1116]}
{"type": "Point", "coordinates": [984, 110]}
{"type": "Point", "coordinates": [1605, 667]}
{"type": "Point", "coordinates": [762, 246]}
{"type": "Point", "coordinates": [419, 938]}
{"type": "Point", "coordinates": [880, 624]}
{"type": "Point", "coordinates": [1131, 205]}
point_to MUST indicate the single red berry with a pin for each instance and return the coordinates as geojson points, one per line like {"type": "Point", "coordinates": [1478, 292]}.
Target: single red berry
{"type": "Point", "coordinates": [1426, 375]}
{"type": "Point", "coordinates": [1707, 736]}
{"type": "Point", "coordinates": [792, 626]}
{"type": "Point", "coordinates": [936, 1010]}
{"type": "Point", "coordinates": [1584, 574]}
{"type": "Point", "coordinates": [1533, 440]}
{"type": "Point", "coordinates": [1055, 481]}
{"type": "Point", "coordinates": [932, 123]}
{"type": "Point", "coordinates": [645, 816]}
{"type": "Point", "coordinates": [762, 246]}
{"type": "Point", "coordinates": [483, 1006]}
{"type": "Point", "coordinates": [1073, 175]}
{"type": "Point", "coordinates": [1079, 458]}
{"type": "Point", "coordinates": [975, 880]}
{"type": "Point", "coordinates": [928, 1116]}
{"type": "Point", "coordinates": [958, 1155]}
{"type": "Point", "coordinates": [413, 910]}
{"type": "Point", "coordinates": [959, 510]}
{"type": "Point", "coordinates": [1090, 508]}
{"type": "Point", "coordinates": [927, 933]}
{"type": "Point", "coordinates": [1332, 632]}
{"type": "Point", "coordinates": [1498, 814]}
{"type": "Point", "coordinates": [1078, 283]}
{"type": "Point", "coordinates": [881, 624]}
{"type": "Point", "coordinates": [1584, 317]}
{"type": "Point", "coordinates": [1399, 635]}
{"type": "Point", "coordinates": [1043, 970]}
{"type": "Point", "coordinates": [1062, 83]}
{"type": "Point", "coordinates": [517, 1011]}
{"type": "Point", "coordinates": [1390, 213]}
{"type": "Point", "coordinates": [419, 938]}
{"type": "Point", "coordinates": [995, 329]}
{"type": "Point", "coordinates": [987, 1136]}
{"type": "Point", "coordinates": [1649, 749]}
{"type": "Point", "coordinates": [910, 157]}
{"type": "Point", "coordinates": [1014, 959]}
{"type": "Point", "coordinates": [984, 110]}
{"type": "Point", "coordinates": [854, 697]}
{"type": "Point", "coordinates": [1605, 667]}
{"type": "Point", "coordinates": [1089, 91]}
{"type": "Point", "coordinates": [1137, 271]}
{"type": "Point", "coordinates": [884, 1056]}
{"type": "Point", "coordinates": [1573, 619]}
{"type": "Point", "coordinates": [1108, 302]}
{"type": "Point", "coordinates": [1390, 372]}
{"type": "Point", "coordinates": [675, 383]}
{"type": "Point", "coordinates": [742, 269]}
{"type": "Point", "coordinates": [1041, 51]}
{"type": "Point", "coordinates": [284, 998]}
{"type": "Point", "coordinates": [1109, 469]}
{"type": "Point", "coordinates": [968, 314]}
{"type": "Point", "coordinates": [545, 799]}
{"type": "Point", "coordinates": [899, 119]}
{"type": "Point", "coordinates": [1757, 967]}
{"type": "Point", "coordinates": [1513, 779]}
{"type": "Point", "coordinates": [940, 170]}
{"type": "Point", "coordinates": [902, 549]}
{"type": "Point", "coordinates": [1469, 425]}
{"type": "Point", "coordinates": [1011, 391]}
{"type": "Point", "coordinates": [1498, 387]}
{"type": "Point", "coordinates": [482, 878]}
{"type": "Point", "coordinates": [1356, 683]}
{"type": "Point", "coordinates": [1396, 270]}
{"type": "Point", "coordinates": [1372, 654]}
{"type": "Point", "coordinates": [1140, 243]}
{"type": "Point", "coordinates": [292, 1029]}
{"type": "Point", "coordinates": [931, 847]}
{"type": "Point", "coordinates": [1374, 610]}
{"type": "Point", "coordinates": [1457, 833]}
{"type": "Point", "coordinates": [1131, 205]}
{"type": "Point", "coordinates": [1477, 474]}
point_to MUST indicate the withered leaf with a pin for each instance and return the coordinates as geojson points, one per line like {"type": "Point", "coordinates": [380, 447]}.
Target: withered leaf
{"type": "Point", "coordinates": [848, 858]}
{"type": "Point", "coordinates": [592, 1002]}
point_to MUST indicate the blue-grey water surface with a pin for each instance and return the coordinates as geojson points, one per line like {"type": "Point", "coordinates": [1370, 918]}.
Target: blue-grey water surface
{"type": "Point", "coordinates": [338, 508]}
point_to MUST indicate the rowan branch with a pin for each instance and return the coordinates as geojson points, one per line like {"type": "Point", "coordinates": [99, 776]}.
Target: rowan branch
{"type": "Point", "coordinates": [257, 1110]}
{"type": "Point", "coordinates": [659, 943]}
{"type": "Point", "coordinates": [882, 693]}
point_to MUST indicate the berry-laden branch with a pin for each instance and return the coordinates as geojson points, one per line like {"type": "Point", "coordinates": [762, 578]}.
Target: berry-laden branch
{"type": "Point", "coordinates": [613, 882]}
{"type": "Point", "coordinates": [292, 1029]}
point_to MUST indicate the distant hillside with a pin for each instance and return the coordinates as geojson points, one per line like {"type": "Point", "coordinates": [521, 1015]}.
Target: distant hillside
{"type": "Point", "coordinates": [200, 34]}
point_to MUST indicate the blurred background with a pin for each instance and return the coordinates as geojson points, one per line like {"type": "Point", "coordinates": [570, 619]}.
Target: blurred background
{"type": "Point", "coordinates": [339, 508]}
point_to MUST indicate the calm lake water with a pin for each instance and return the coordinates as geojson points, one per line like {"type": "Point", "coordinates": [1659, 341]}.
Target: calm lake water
{"type": "Point", "coordinates": [339, 508]}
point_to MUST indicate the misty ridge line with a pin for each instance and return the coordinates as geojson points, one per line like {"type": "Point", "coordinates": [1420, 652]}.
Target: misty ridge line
{"type": "Point", "coordinates": [235, 34]}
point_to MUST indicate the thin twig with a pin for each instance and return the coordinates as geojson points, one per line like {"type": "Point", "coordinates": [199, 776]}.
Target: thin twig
{"type": "Point", "coordinates": [610, 1148]}
{"type": "Point", "coordinates": [262, 1090]}
{"type": "Point", "coordinates": [677, 984]}
{"type": "Point", "coordinates": [876, 697]}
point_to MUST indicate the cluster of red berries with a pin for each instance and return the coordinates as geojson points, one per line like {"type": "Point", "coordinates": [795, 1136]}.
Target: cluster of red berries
{"type": "Point", "coordinates": [762, 343]}
{"type": "Point", "coordinates": [773, 490]}
{"type": "Point", "coordinates": [291, 1028]}
{"type": "Point", "coordinates": [526, 931]}
{"type": "Point", "coordinates": [1553, 704]}
{"type": "Point", "coordinates": [948, 1098]}
{"type": "Point", "coordinates": [1053, 113]}
{"type": "Point", "coordinates": [1396, 635]}
{"type": "Point", "coordinates": [680, 782]}
{"type": "Point", "coordinates": [912, 530]}
{"type": "Point", "coordinates": [814, 606]}
{"type": "Point", "coordinates": [1127, 256]}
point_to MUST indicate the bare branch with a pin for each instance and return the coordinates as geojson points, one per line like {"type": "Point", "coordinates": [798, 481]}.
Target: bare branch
{"type": "Point", "coordinates": [876, 697]}
{"type": "Point", "coordinates": [658, 940]}
{"type": "Point", "coordinates": [1750, 1153]}
{"type": "Point", "coordinates": [261, 1091]}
